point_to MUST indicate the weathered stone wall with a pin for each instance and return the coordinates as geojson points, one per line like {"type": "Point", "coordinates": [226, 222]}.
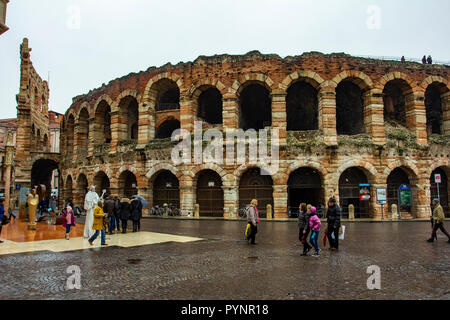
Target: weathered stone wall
{"type": "Point", "coordinates": [380, 150]}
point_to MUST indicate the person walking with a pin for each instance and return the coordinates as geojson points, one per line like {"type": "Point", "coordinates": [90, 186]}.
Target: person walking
{"type": "Point", "coordinates": [98, 225]}
{"type": "Point", "coordinates": [253, 220]}
{"type": "Point", "coordinates": [125, 213]}
{"type": "Point", "coordinates": [314, 224]}
{"type": "Point", "coordinates": [117, 212]}
{"type": "Point", "coordinates": [136, 213]}
{"type": "Point", "coordinates": [438, 221]}
{"type": "Point", "coordinates": [109, 208]}
{"type": "Point", "coordinates": [303, 228]}
{"type": "Point", "coordinates": [334, 223]}
{"type": "Point", "coordinates": [429, 60]}
{"type": "Point", "coordinates": [68, 220]}
{"type": "Point", "coordinates": [424, 59]}
{"type": "Point", "coordinates": [52, 204]}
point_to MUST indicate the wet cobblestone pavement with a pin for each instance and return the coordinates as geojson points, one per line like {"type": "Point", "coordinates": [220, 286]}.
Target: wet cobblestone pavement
{"type": "Point", "coordinates": [220, 266]}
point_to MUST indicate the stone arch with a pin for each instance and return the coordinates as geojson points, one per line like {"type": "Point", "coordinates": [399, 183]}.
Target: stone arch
{"type": "Point", "coordinates": [103, 97]}
{"type": "Point", "coordinates": [408, 165]}
{"type": "Point", "coordinates": [128, 92]}
{"type": "Point", "coordinates": [363, 81]}
{"type": "Point", "coordinates": [437, 105]}
{"type": "Point", "coordinates": [304, 164]}
{"type": "Point", "coordinates": [395, 76]}
{"type": "Point", "coordinates": [307, 76]}
{"type": "Point", "coordinates": [250, 78]}
{"type": "Point", "coordinates": [148, 96]}
{"type": "Point", "coordinates": [86, 106]}
{"type": "Point", "coordinates": [152, 173]}
{"type": "Point", "coordinates": [196, 89]}
{"type": "Point", "coordinates": [431, 79]}
{"type": "Point", "coordinates": [370, 171]}
{"type": "Point", "coordinates": [208, 166]}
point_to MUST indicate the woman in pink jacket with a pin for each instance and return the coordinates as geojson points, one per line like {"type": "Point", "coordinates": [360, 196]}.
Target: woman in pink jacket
{"type": "Point", "coordinates": [314, 224]}
{"type": "Point", "coordinates": [68, 220]}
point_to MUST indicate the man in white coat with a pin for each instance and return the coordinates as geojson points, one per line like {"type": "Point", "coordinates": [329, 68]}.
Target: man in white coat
{"type": "Point", "coordinates": [90, 202]}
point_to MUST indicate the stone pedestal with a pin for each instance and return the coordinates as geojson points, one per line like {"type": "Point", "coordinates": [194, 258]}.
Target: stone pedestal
{"type": "Point", "coordinates": [197, 211]}
{"type": "Point", "coordinates": [394, 212]}
{"type": "Point", "coordinates": [269, 212]}
{"type": "Point", "coordinates": [351, 212]}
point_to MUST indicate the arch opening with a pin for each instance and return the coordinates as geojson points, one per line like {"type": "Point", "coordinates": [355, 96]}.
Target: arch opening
{"type": "Point", "coordinates": [434, 108]}
{"type": "Point", "coordinates": [83, 131]}
{"type": "Point", "coordinates": [127, 184]}
{"type": "Point", "coordinates": [255, 107]}
{"type": "Point", "coordinates": [349, 108]}
{"type": "Point", "coordinates": [166, 129]}
{"type": "Point", "coordinates": [302, 107]}
{"type": "Point", "coordinates": [102, 182]}
{"type": "Point", "coordinates": [168, 96]}
{"type": "Point", "coordinates": [210, 106]}
{"type": "Point", "coordinates": [350, 192]}
{"type": "Point", "coordinates": [253, 185]}
{"type": "Point", "coordinates": [394, 99]}
{"type": "Point", "coordinates": [103, 123]}
{"type": "Point", "coordinates": [304, 186]}
{"type": "Point", "coordinates": [166, 189]}
{"type": "Point", "coordinates": [129, 118]}
{"type": "Point", "coordinates": [397, 178]}
{"type": "Point", "coordinates": [210, 194]}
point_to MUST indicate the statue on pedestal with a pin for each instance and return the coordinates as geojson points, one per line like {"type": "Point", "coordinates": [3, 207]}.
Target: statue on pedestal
{"type": "Point", "coordinates": [33, 201]}
{"type": "Point", "coordinates": [90, 202]}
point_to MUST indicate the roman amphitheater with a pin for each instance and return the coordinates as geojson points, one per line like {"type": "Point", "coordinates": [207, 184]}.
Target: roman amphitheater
{"type": "Point", "coordinates": [343, 121]}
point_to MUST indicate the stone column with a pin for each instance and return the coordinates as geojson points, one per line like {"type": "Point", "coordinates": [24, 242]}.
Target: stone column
{"type": "Point", "coordinates": [114, 130]}
{"type": "Point", "coordinates": [279, 114]}
{"type": "Point", "coordinates": [92, 137]}
{"type": "Point", "coordinates": [231, 201]}
{"type": "Point", "coordinates": [280, 201]}
{"type": "Point", "coordinates": [187, 114]}
{"type": "Point", "coordinates": [230, 112]}
{"type": "Point", "coordinates": [445, 103]}
{"type": "Point", "coordinates": [9, 158]}
{"type": "Point", "coordinates": [327, 114]}
{"type": "Point", "coordinates": [374, 115]}
{"type": "Point", "coordinates": [421, 200]}
{"type": "Point", "coordinates": [187, 196]}
{"type": "Point", "coordinates": [416, 116]}
{"type": "Point", "coordinates": [144, 126]}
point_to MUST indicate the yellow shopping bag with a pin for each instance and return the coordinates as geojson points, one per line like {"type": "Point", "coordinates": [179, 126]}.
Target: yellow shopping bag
{"type": "Point", "coordinates": [247, 229]}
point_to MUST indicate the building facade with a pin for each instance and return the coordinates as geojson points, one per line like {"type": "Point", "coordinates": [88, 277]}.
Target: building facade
{"type": "Point", "coordinates": [347, 125]}
{"type": "Point", "coordinates": [3, 5]}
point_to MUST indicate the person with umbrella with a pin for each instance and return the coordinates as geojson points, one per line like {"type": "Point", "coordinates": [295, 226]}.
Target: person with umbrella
{"type": "Point", "coordinates": [136, 213]}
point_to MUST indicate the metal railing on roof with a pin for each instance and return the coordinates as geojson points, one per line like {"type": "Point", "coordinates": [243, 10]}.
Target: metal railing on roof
{"type": "Point", "coordinates": [398, 59]}
{"type": "Point", "coordinates": [167, 106]}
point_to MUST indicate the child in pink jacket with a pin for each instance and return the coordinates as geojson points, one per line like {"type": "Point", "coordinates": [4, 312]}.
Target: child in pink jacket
{"type": "Point", "coordinates": [314, 224]}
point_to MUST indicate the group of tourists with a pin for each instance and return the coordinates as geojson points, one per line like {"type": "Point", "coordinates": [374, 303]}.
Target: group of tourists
{"type": "Point", "coordinates": [105, 215]}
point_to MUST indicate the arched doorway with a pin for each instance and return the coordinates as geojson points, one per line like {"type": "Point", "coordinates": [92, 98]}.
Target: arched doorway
{"type": "Point", "coordinates": [394, 99]}
{"type": "Point", "coordinates": [210, 194]}
{"type": "Point", "coordinates": [435, 108]}
{"type": "Point", "coordinates": [443, 189]}
{"type": "Point", "coordinates": [302, 107]}
{"type": "Point", "coordinates": [68, 192]}
{"type": "Point", "coordinates": [166, 129]}
{"type": "Point", "coordinates": [210, 106]}
{"type": "Point", "coordinates": [349, 108]}
{"type": "Point", "coordinates": [70, 135]}
{"type": "Point", "coordinates": [253, 185]}
{"type": "Point", "coordinates": [42, 173]}
{"type": "Point", "coordinates": [127, 184]}
{"type": "Point", "coordinates": [168, 95]}
{"type": "Point", "coordinates": [82, 189]}
{"type": "Point", "coordinates": [83, 131]}
{"type": "Point", "coordinates": [255, 107]}
{"type": "Point", "coordinates": [166, 189]}
{"type": "Point", "coordinates": [349, 192]}
{"type": "Point", "coordinates": [103, 123]}
{"type": "Point", "coordinates": [305, 186]}
{"type": "Point", "coordinates": [397, 178]}
{"type": "Point", "coordinates": [129, 115]}
{"type": "Point", "coordinates": [101, 182]}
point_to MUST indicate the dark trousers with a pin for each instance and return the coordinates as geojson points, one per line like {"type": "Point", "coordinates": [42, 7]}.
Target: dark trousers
{"type": "Point", "coordinates": [334, 243]}
{"type": "Point", "coordinates": [124, 225]}
{"type": "Point", "coordinates": [252, 232]}
{"type": "Point", "coordinates": [136, 225]}
{"type": "Point", "coordinates": [68, 228]}
{"type": "Point", "coordinates": [441, 227]}
{"type": "Point", "coordinates": [306, 245]}
{"type": "Point", "coordinates": [113, 222]}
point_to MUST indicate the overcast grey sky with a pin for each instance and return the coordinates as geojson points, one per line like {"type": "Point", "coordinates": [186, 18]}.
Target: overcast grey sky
{"type": "Point", "coordinates": [112, 38]}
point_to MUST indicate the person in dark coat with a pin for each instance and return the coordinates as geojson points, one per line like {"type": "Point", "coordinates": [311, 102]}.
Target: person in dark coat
{"type": "Point", "coordinates": [334, 223]}
{"type": "Point", "coordinates": [136, 213]}
{"type": "Point", "coordinates": [424, 59]}
{"type": "Point", "coordinates": [109, 208]}
{"type": "Point", "coordinates": [125, 213]}
{"type": "Point", "coordinates": [429, 60]}
{"type": "Point", "coordinates": [303, 228]}
{"type": "Point", "coordinates": [117, 212]}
